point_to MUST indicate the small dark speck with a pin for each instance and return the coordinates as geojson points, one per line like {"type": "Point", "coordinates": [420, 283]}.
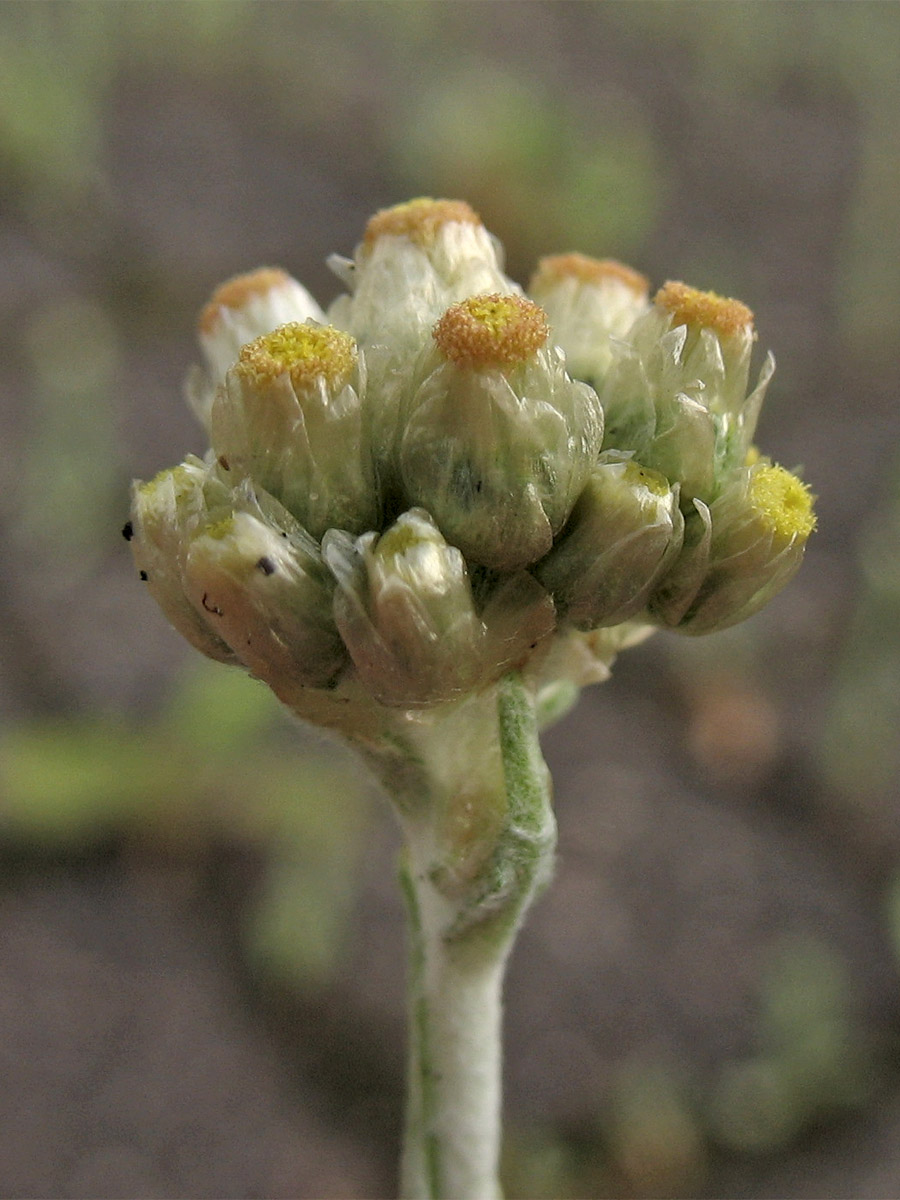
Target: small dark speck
{"type": "Point", "coordinates": [128, 531]}
{"type": "Point", "coordinates": [223, 463]}
{"type": "Point", "coordinates": [266, 565]}
{"type": "Point", "coordinates": [144, 576]}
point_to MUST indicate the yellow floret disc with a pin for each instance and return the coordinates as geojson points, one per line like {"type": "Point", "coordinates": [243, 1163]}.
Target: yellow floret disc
{"type": "Point", "coordinates": [305, 352]}
{"type": "Point", "coordinates": [783, 501]}
{"type": "Point", "coordinates": [636, 475]}
{"type": "Point", "coordinates": [704, 310]}
{"type": "Point", "coordinates": [398, 539]}
{"type": "Point", "coordinates": [491, 331]}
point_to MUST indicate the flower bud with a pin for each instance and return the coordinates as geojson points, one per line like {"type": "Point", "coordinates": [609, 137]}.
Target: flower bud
{"type": "Point", "coordinates": [165, 513]}
{"type": "Point", "coordinates": [266, 592]}
{"type": "Point", "coordinates": [624, 533]}
{"type": "Point", "coordinates": [739, 553]}
{"type": "Point", "coordinates": [290, 418]}
{"type": "Point", "coordinates": [588, 302]}
{"type": "Point", "coordinates": [415, 260]}
{"type": "Point", "coordinates": [240, 310]}
{"type": "Point", "coordinates": [497, 440]}
{"type": "Point", "coordinates": [405, 610]}
{"type": "Point", "coordinates": [675, 394]}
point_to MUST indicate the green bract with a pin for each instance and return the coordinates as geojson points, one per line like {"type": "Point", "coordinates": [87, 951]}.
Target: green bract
{"type": "Point", "coordinates": [405, 610]}
{"type": "Point", "coordinates": [676, 393]}
{"type": "Point", "coordinates": [449, 481]}
{"type": "Point", "coordinates": [165, 513]}
{"type": "Point", "coordinates": [266, 592]}
{"type": "Point", "coordinates": [498, 451]}
{"type": "Point", "coordinates": [624, 533]}
{"type": "Point", "coordinates": [739, 552]}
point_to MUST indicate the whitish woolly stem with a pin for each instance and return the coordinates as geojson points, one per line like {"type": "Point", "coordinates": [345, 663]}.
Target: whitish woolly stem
{"type": "Point", "coordinates": [460, 938]}
{"type": "Point", "coordinates": [453, 1108]}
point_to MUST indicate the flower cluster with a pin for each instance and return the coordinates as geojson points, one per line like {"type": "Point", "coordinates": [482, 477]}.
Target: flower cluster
{"type": "Point", "coordinates": [443, 478]}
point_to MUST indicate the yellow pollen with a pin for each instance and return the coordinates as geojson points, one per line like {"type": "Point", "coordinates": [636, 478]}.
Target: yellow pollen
{"type": "Point", "coordinates": [585, 269]}
{"type": "Point", "coordinates": [236, 292]}
{"type": "Point", "coordinates": [689, 306]}
{"type": "Point", "coordinates": [419, 220]}
{"type": "Point", "coordinates": [219, 530]}
{"type": "Point", "coordinates": [398, 539]}
{"type": "Point", "coordinates": [635, 475]}
{"type": "Point", "coordinates": [783, 501]}
{"type": "Point", "coordinates": [491, 331]}
{"type": "Point", "coordinates": [182, 477]}
{"type": "Point", "coordinates": [305, 352]}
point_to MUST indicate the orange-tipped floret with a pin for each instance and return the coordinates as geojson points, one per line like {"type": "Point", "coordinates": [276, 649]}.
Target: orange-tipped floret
{"type": "Point", "coordinates": [305, 352]}
{"type": "Point", "coordinates": [557, 267]}
{"type": "Point", "coordinates": [704, 310]}
{"type": "Point", "coordinates": [236, 292]}
{"type": "Point", "coordinates": [491, 331]}
{"type": "Point", "coordinates": [419, 220]}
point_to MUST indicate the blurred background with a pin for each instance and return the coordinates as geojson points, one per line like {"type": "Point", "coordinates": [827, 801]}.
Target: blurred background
{"type": "Point", "coordinates": [201, 990]}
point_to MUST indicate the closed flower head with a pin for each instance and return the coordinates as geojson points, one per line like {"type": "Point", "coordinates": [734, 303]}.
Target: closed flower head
{"type": "Point", "coordinates": [420, 221]}
{"type": "Point", "coordinates": [265, 591]}
{"type": "Point", "coordinates": [238, 311]}
{"type": "Point", "coordinates": [624, 533]}
{"type": "Point", "coordinates": [589, 303]}
{"type": "Point", "coordinates": [290, 417]}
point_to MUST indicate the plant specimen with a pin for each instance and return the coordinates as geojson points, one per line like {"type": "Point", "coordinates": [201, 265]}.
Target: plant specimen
{"type": "Point", "coordinates": [428, 518]}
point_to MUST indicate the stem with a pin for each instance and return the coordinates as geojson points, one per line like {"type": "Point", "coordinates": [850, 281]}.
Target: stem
{"type": "Point", "coordinates": [461, 930]}
{"type": "Point", "coordinates": [453, 1115]}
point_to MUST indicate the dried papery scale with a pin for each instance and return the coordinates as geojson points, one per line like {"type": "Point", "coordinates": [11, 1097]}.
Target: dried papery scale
{"type": "Point", "coordinates": [431, 515]}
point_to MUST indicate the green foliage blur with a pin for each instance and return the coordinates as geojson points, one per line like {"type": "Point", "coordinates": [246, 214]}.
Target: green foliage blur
{"type": "Point", "coordinates": [377, 102]}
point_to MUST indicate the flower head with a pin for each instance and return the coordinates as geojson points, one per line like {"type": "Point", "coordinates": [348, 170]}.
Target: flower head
{"type": "Point", "coordinates": [624, 533]}
{"type": "Point", "coordinates": [238, 311]}
{"type": "Point", "coordinates": [739, 551]}
{"type": "Point", "coordinates": [590, 303]}
{"type": "Point", "coordinates": [290, 416]}
{"type": "Point", "coordinates": [496, 439]}
{"type": "Point", "coordinates": [265, 591]}
{"type": "Point", "coordinates": [491, 331]}
{"type": "Point", "coordinates": [676, 392]}
{"type": "Point", "coordinates": [444, 478]}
